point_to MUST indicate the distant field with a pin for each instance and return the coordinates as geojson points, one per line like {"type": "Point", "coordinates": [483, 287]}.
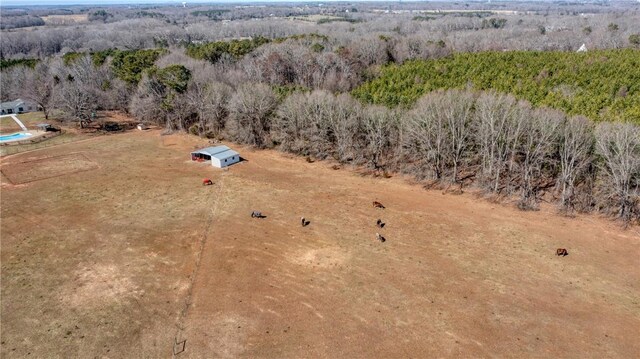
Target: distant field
{"type": "Point", "coordinates": [316, 18]}
{"type": "Point", "coordinates": [121, 260]}
{"type": "Point", "coordinates": [64, 19]}
{"type": "Point", "coordinates": [602, 85]}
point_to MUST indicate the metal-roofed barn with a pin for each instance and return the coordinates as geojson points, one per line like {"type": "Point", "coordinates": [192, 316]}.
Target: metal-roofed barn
{"type": "Point", "coordinates": [220, 156]}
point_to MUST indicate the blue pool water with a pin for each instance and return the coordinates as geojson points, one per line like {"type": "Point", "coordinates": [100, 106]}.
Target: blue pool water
{"type": "Point", "coordinates": [15, 136]}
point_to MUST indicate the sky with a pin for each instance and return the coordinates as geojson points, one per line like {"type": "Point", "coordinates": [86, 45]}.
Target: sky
{"type": "Point", "coordinates": [120, 2]}
{"type": "Point", "coordinates": [94, 2]}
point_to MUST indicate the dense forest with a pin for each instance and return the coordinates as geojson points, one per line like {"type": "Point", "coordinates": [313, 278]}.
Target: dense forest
{"type": "Point", "coordinates": [601, 85]}
{"type": "Point", "coordinates": [500, 102]}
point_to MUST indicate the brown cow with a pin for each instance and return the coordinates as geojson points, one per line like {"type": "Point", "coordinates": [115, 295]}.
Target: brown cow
{"type": "Point", "coordinates": [562, 252]}
{"type": "Point", "coordinates": [377, 204]}
{"type": "Point", "coordinates": [380, 238]}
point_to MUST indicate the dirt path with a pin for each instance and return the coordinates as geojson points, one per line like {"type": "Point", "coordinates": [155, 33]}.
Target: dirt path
{"type": "Point", "coordinates": [180, 339]}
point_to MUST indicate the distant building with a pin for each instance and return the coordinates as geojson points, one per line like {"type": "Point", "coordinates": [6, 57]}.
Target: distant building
{"type": "Point", "coordinates": [220, 156]}
{"type": "Point", "coordinates": [17, 106]}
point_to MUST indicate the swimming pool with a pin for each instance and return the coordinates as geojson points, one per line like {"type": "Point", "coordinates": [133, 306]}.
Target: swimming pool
{"type": "Point", "coordinates": [15, 136]}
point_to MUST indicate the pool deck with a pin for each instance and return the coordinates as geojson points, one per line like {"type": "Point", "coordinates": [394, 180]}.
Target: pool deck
{"type": "Point", "coordinates": [35, 136]}
{"type": "Point", "coordinates": [27, 135]}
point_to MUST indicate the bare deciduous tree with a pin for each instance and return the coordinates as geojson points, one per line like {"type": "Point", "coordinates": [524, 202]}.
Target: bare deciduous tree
{"type": "Point", "coordinates": [12, 82]}
{"type": "Point", "coordinates": [301, 125]}
{"type": "Point", "coordinates": [38, 87]}
{"type": "Point", "coordinates": [499, 127]}
{"type": "Point", "coordinates": [426, 136]}
{"type": "Point", "coordinates": [575, 155]}
{"type": "Point", "coordinates": [439, 130]}
{"type": "Point", "coordinates": [146, 103]}
{"type": "Point", "coordinates": [538, 142]}
{"type": "Point", "coordinates": [209, 100]}
{"type": "Point", "coordinates": [619, 146]}
{"type": "Point", "coordinates": [458, 117]}
{"type": "Point", "coordinates": [250, 110]}
{"type": "Point", "coordinates": [377, 124]}
{"type": "Point", "coordinates": [344, 122]}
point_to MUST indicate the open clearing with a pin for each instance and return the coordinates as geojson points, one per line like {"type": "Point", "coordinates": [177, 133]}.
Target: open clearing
{"type": "Point", "coordinates": [48, 167]}
{"type": "Point", "coordinates": [101, 263]}
{"type": "Point", "coordinates": [65, 19]}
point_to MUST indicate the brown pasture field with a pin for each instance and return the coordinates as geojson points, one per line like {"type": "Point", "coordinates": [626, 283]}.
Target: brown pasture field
{"type": "Point", "coordinates": [64, 19]}
{"type": "Point", "coordinates": [126, 259]}
{"type": "Point", "coordinates": [47, 167]}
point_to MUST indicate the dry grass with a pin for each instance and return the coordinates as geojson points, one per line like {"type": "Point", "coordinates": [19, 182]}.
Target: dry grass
{"type": "Point", "coordinates": [47, 167]}
{"type": "Point", "coordinates": [101, 263]}
{"type": "Point", "coordinates": [8, 125]}
{"type": "Point", "coordinates": [65, 19]}
{"type": "Point", "coordinates": [314, 18]}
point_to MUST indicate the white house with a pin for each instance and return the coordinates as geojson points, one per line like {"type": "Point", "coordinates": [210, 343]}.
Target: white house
{"type": "Point", "coordinates": [220, 156]}
{"type": "Point", "coordinates": [17, 106]}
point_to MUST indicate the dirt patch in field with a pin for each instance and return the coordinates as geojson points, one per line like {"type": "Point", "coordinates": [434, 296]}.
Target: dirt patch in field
{"type": "Point", "coordinates": [48, 167]}
{"type": "Point", "coordinates": [100, 285]}
{"type": "Point", "coordinates": [321, 257]}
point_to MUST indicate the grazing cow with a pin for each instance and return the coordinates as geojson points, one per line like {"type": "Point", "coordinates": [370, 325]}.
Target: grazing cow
{"type": "Point", "coordinates": [379, 223]}
{"type": "Point", "coordinates": [562, 252]}
{"type": "Point", "coordinates": [257, 214]}
{"type": "Point", "coordinates": [377, 204]}
{"type": "Point", "coordinates": [304, 222]}
{"type": "Point", "coordinates": [380, 238]}
{"type": "Point", "coordinates": [207, 182]}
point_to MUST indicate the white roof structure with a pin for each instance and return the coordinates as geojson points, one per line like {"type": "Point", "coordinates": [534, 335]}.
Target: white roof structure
{"type": "Point", "coordinates": [219, 152]}
{"type": "Point", "coordinates": [582, 48]}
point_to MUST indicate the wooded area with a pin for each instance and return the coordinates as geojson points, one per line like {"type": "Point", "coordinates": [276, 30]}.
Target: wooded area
{"type": "Point", "coordinates": [602, 84]}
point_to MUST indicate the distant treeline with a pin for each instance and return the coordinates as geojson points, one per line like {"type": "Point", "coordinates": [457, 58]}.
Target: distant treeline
{"type": "Point", "coordinates": [236, 49]}
{"type": "Point", "coordinates": [14, 22]}
{"type": "Point", "coordinates": [602, 85]}
{"type": "Point", "coordinates": [211, 14]}
{"type": "Point", "coordinates": [327, 20]}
